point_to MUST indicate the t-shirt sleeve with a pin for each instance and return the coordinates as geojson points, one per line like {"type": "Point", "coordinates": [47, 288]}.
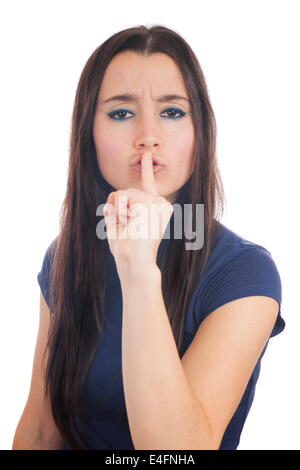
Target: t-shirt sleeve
{"type": "Point", "coordinates": [251, 271]}
{"type": "Point", "coordinates": [43, 276]}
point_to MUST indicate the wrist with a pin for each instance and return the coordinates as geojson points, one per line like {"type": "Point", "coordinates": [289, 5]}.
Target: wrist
{"type": "Point", "coordinates": [133, 273]}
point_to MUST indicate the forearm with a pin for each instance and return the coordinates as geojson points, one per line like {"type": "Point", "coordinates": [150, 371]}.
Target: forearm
{"type": "Point", "coordinates": [163, 413]}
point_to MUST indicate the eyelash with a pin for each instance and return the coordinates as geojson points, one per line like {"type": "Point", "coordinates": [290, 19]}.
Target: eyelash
{"type": "Point", "coordinates": [117, 111]}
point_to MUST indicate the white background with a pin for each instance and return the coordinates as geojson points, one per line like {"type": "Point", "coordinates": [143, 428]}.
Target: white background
{"type": "Point", "coordinates": [249, 53]}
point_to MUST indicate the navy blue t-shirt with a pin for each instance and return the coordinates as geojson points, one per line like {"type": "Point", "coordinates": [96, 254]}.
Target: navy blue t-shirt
{"type": "Point", "coordinates": [236, 268]}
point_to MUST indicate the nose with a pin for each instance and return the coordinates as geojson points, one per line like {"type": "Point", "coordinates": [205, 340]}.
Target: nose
{"type": "Point", "coordinates": [147, 136]}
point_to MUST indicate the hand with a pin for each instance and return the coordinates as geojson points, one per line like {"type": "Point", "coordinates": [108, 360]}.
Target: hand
{"type": "Point", "coordinates": [136, 220]}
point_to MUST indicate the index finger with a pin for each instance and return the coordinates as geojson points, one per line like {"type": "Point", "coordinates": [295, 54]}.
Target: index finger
{"type": "Point", "coordinates": [147, 174]}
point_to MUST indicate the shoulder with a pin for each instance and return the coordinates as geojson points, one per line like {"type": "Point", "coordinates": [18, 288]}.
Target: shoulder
{"type": "Point", "coordinates": [230, 246]}
{"type": "Point", "coordinates": [49, 253]}
{"type": "Point", "coordinates": [237, 259]}
{"type": "Point", "coordinates": [43, 276]}
{"type": "Point", "coordinates": [237, 268]}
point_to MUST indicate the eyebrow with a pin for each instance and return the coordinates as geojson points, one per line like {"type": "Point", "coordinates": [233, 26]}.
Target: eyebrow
{"type": "Point", "coordinates": [130, 97]}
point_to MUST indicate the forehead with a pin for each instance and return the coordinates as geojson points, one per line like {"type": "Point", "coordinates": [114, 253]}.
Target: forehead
{"type": "Point", "coordinates": [134, 73]}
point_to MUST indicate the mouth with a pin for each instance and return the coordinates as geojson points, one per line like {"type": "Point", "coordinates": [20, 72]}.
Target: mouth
{"type": "Point", "coordinates": [157, 164]}
{"type": "Point", "coordinates": [156, 167]}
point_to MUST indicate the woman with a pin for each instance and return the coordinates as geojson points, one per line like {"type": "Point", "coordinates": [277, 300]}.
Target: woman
{"type": "Point", "coordinates": [146, 342]}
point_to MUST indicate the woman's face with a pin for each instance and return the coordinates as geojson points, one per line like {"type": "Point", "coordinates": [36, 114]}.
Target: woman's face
{"type": "Point", "coordinates": [144, 122]}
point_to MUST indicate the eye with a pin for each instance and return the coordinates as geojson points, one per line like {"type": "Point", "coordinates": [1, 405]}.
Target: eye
{"type": "Point", "coordinates": [174, 111]}
{"type": "Point", "coordinates": [122, 112]}
{"type": "Point", "coordinates": [119, 112]}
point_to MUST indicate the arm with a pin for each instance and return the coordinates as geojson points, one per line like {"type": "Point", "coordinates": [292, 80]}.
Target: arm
{"type": "Point", "coordinates": [36, 428]}
{"type": "Point", "coordinates": [163, 411]}
{"type": "Point", "coordinates": [187, 404]}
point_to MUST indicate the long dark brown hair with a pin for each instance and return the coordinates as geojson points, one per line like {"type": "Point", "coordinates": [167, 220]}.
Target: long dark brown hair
{"type": "Point", "coordinates": [78, 274]}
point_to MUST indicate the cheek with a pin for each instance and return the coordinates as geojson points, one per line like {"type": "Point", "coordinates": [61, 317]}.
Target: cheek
{"type": "Point", "coordinates": [108, 148]}
{"type": "Point", "coordinates": [183, 150]}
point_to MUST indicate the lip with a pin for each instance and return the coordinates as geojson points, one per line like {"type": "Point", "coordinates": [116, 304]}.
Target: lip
{"type": "Point", "coordinates": [156, 168]}
{"type": "Point", "coordinates": [155, 160]}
